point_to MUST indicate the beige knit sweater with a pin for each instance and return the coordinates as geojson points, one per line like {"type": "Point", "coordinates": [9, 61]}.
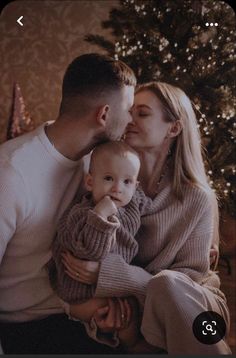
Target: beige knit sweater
{"type": "Point", "coordinates": [89, 236]}
{"type": "Point", "coordinates": [175, 235]}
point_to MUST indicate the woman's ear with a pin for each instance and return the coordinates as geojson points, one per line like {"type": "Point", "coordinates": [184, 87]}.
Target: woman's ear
{"type": "Point", "coordinates": [88, 180]}
{"type": "Point", "coordinates": [175, 129]}
{"type": "Point", "coordinates": [102, 115]}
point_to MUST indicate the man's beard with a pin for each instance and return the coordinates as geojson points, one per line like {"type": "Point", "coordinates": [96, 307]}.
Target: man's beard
{"type": "Point", "coordinates": [112, 132]}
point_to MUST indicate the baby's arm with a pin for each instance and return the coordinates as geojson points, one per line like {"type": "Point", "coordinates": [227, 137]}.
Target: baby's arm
{"type": "Point", "coordinates": [86, 233]}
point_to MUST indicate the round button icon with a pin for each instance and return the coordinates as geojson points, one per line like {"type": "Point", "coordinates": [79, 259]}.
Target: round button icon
{"type": "Point", "coordinates": [209, 327]}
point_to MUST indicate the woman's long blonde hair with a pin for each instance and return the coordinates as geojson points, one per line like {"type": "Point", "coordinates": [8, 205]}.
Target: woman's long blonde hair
{"type": "Point", "coordinates": [188, 164]}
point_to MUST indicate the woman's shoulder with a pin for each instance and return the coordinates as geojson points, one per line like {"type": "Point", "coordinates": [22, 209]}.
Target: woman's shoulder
{"type": "Point", "coordinates": [197, 195]}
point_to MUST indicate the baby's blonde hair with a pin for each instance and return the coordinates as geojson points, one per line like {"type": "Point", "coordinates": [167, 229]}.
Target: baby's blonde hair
{"type": "Point", "coordinates": [113, 148]}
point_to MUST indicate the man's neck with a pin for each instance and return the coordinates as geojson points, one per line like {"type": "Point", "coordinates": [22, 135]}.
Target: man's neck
{"type": "Point", "coordinates": [73, 142]}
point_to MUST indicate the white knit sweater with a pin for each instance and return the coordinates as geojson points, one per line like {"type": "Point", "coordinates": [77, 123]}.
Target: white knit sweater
{"type": "Point", "coordinates": [37, 184]}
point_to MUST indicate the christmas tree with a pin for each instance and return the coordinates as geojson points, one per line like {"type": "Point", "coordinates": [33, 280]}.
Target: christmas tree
{"type": "Point", "coordinates": [191, 44]}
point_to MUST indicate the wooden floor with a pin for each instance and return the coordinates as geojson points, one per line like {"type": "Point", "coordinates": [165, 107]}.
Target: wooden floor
{"type": "Point", "coordinates": [228, 286]}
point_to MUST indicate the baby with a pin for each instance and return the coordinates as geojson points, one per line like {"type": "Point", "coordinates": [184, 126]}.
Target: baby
{"type": "Point", "coordinates": [105, 220]}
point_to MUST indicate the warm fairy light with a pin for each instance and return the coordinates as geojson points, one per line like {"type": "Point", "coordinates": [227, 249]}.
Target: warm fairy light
{"type": "Point", "coordinates": [157, 59]}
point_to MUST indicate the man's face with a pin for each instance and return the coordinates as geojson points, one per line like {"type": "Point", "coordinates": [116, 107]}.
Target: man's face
{"type": "Point", "coordinates": [120, 113]}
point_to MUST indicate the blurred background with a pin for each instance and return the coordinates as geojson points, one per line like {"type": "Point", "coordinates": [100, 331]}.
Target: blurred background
{"type": "Point", "coordinates": [189, 43]}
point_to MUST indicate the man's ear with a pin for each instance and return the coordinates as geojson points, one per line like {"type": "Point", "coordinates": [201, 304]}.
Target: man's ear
{"type": "Point", "coordinates": [102, 115]}
{"type": "Point", "coordinates": [88, 181]}
{"type": "Point", "coordinates": [175, 129]}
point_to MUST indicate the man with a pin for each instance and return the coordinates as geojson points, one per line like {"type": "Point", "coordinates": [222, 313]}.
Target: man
{"type": "Point", "coordinates": [40, 172]}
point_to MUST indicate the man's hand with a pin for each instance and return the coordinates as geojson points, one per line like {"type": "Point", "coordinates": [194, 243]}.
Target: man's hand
{"type": "Point", "coordinates": [81, 270]}
{"type": "Point", "coordinates": [115, 316]}
{"type": "Point", "coordinates": [105, 207]}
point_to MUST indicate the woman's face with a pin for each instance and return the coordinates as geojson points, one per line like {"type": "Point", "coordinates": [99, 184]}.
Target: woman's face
{"type": "Point", "coordinates": [148, 128]}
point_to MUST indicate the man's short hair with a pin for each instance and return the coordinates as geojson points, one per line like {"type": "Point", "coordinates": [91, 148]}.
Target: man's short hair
{"type": "Point", "coordinates": [93, 76]}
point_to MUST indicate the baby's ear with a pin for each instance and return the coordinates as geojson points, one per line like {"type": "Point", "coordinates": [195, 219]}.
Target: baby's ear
{"type": "Point", "coordinates": [137, 184]}
{"type": "Point", "coordinates": [88, 180]}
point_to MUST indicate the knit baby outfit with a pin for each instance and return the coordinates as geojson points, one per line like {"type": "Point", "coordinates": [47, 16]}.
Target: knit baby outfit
{"type": "Point", "coordinates": [89, 236]}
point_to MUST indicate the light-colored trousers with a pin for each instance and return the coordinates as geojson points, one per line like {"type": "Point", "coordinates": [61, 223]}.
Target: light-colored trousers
{"type": "Point", "coordinates": [172, 303]}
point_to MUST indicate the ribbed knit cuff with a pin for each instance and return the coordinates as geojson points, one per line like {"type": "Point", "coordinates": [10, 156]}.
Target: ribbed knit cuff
{"type": "Point", "coordinates": [119, 279]}
{"type": "Point", "coordinates": [101, 224]}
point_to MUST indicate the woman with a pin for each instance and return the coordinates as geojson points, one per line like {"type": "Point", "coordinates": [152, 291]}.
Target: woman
{"type": "Point", "coordinates": [172, 268]}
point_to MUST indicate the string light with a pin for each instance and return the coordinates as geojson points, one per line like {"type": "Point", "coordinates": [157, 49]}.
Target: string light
{"type": "Point", "coordinates": [139, 44]}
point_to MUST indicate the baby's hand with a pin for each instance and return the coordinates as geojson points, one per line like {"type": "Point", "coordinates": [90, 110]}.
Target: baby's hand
{"type": "Point", "coordinates": [105, 207]}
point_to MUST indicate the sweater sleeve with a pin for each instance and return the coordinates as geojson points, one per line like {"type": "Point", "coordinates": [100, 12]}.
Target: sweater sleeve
{"type": "Point", "coordinates": [86, 234]}
{"type": "Point", "coordinates": [13, 204]}
{"type": "Point", "coordinates": [124, 280]}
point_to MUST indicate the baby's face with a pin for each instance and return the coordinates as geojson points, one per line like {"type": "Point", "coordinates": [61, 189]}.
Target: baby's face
{"type": "Point", "coordinates": [115, 176]}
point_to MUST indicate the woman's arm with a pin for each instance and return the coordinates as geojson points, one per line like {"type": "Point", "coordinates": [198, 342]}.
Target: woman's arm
{"type": "Point", "coordinates": [112, 276]}
{"type": "Point", "coordinates": [193, 258]}
{"type": "Point", "coordinates": [125, 280]}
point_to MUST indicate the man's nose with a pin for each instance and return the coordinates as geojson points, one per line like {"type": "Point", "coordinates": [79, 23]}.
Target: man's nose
{"type": "Point", "coordinates": [130, 120]}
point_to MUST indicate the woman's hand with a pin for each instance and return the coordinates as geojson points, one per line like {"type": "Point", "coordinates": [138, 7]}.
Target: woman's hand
{"type": "Point", "coordinates": [80, 270]}
{"type": "Point", "coordinates": [115, 316]}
